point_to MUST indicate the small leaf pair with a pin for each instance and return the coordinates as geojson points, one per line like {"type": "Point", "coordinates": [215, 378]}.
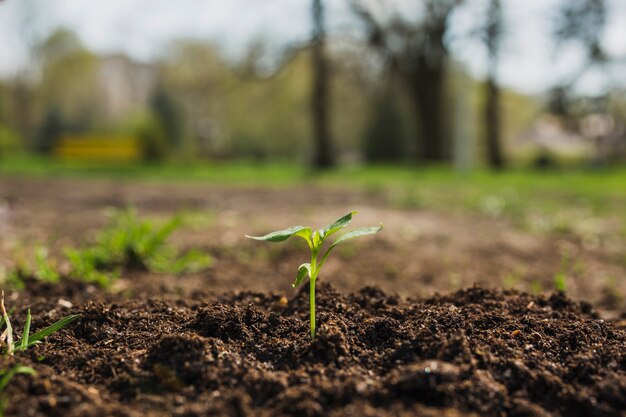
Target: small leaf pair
{"type": "Point", "coordinates": [315, 239]}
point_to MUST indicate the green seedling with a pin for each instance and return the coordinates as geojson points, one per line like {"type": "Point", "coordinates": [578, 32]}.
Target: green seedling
{"type": "Point", "coordinates": [315, 240]}
{"type": "Point", "coordinates": [44, 269]}
{"type": "Point", "coordinates": [28, 339]}
{"type": "Point", "coordinates": [6, 375]}
{"type": "Point", "coordinates": [560, 278]}
{"type": "Point", "coordinates": [560, 282]}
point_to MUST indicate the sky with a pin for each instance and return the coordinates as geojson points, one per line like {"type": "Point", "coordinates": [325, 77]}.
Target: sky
{"type": "Point", "coordinates": [143, 29]}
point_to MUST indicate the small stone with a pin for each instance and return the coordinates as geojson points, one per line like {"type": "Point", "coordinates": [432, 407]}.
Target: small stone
{"type": "Point", "coordinates": [64, 303]}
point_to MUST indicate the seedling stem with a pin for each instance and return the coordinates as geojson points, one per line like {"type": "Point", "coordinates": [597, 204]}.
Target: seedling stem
{"type": "Point", "coordinates": [315, 240]}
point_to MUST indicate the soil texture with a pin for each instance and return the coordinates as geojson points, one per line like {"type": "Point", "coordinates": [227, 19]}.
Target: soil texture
{"type": "Point", "coordinates": [471, 352]}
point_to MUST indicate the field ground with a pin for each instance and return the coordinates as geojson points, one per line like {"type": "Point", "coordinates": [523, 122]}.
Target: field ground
{"type": "Point", "coordinates": [193, 345]}
{"type": "Point", "coordinates": [443, 231]}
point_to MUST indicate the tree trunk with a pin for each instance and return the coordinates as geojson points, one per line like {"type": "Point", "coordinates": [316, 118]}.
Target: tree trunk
{"type": "Point", "coordinates": [495, 157]}
{"type": "Point", "coordinates": [323, 155]}
{"type": "Point", "coordinates": [427, 90]}
{"type": "Point", "coordinates": [493, 34]}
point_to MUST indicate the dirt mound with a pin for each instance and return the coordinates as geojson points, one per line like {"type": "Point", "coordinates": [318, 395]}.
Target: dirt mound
{"type": "Point", "coordinates": [473, 352]}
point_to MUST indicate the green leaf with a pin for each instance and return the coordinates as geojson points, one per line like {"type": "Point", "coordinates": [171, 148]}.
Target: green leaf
{"type": "Point", "coordinates": [336, 225]}
{"type": "Point", "coordinates": [316, 239]}
{"type": "Point", "coordinates": [157, 239]}
{"type": "Point", "coordinates": [17, 369]}
{"type": "Point", "coordinates": [55, 327]}
{"type": "Point", "coordinates": [281, 235]}
{"type": "Point", "coordinates": [24, 341]}
{"type": "Point", "coordinates": [363, 231]}
{"type": "Point", "coordinates": [303, 271]}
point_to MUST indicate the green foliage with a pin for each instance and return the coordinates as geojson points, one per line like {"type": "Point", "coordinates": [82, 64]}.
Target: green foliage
{"type": "Point", "coordinates": [130, 243]}
{"type": "Point", "coordinates": [28, 339]}
{"type": "Point", "coordinates": [560, 278]}
{"type": "Point", "coordinates": [10, 140]}
{"type": "Point", "coordinates": [86, 267]}
{"type": "Point", "coordinates": [168, 115]}
{"type": "Point", "coordinates": [50, 130]}
{"type": "Point", "coordinates": [127, 243]}
{"type": "Point", "coordinates": [153, 139]}
{"type": "Point", "coordinates": [44, 269]}
{"type": "Point", "coordinates": [6, 375]}
{"type": "Point", "coordinates": [315, 240]}
{"type": "Point", "coordinates": [560, 282]}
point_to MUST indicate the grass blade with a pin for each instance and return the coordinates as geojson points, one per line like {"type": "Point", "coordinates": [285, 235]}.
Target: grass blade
{"type": "Point", "coordinates": [17, 369]}
{"type": "Point", "coordinates": [158, 239]}
{"type": "Point", "coordinates": [9, 330]}
{"type": "Point", "coordinates": [24, 341]}
{"type": "Point", "coordinates": [55, 327]}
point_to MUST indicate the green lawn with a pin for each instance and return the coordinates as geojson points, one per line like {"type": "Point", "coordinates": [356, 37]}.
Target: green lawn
{"type": "Point", "coordinates": [580, 200]}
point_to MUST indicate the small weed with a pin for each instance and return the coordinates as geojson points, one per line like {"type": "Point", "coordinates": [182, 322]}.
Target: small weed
{"type": "Point", "coordinates": [315, 240]}
{"type": "Point", "coordinates": [127, 243]}
{"type": "Point", "coordinates": [44, 269]}
{"type": "Point", "coordinates": [6, 375]}
{"type": "Point", "coordinates": [560, 282]}
{"type": "Point", "coordinates": [130, 243]}
{"type": "Point", "coordinates": [560, 278]}
{"type": "Point", "coordinates": [27, 340]}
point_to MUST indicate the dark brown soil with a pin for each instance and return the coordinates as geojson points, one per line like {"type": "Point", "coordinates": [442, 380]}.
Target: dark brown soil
{"type": "Point", "coordinates": [472, 352]}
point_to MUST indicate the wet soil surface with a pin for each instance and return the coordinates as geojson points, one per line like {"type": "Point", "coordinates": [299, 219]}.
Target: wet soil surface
{"type": "Point", "coordinates": [470, 352]}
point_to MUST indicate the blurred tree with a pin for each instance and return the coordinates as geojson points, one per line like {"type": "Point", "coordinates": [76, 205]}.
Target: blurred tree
{"type": "Point", "coordinates": [581, 22]}
{"type": "Point", "coordinates": [153, 140]}
{"type": "Point", "coordinates": [492, 35]}
{"type": "Point", "coordinates": [417, 52]}
{"type": "Point", "coordinates": [202, 83]}
{"type": "Point", "coordinates": [169, 116]}
{"type": "Point", "coordinates": [70, 81]}
{"type": "Point", "coordinates": [385, 134]}
{"type": "Point", "coordinates": [320, 101]}
{"type": "Point", "coordinates": [50, 130]}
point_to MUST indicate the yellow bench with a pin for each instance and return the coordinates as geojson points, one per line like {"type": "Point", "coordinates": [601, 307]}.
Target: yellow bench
{"type": "Point", "coordinates": [99, 148]}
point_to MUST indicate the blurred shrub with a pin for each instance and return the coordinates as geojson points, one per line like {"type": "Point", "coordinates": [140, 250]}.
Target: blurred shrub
{"type": "Point", "coordinates": [153, 139]}
{"type": "Point", "coordinates": [10, 141]}
{"type": "Point", "coordinates": [50, 130]}
{"type": "Point", "coordinates": [169, 116]}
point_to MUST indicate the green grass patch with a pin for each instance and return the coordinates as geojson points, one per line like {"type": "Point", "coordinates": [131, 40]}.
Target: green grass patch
{"type": "Point", "coordinates": [569, 200]}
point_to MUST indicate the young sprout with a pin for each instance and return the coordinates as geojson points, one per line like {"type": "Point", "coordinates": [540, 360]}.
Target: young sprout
{"type": "Point", "coordinates": [28, 339]}
{"type": "Point", "coordinates": [315, 240]}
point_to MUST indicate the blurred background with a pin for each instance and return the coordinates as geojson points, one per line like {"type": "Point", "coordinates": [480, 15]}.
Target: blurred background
{"type": "Point", "coordinates": [473, 83]}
